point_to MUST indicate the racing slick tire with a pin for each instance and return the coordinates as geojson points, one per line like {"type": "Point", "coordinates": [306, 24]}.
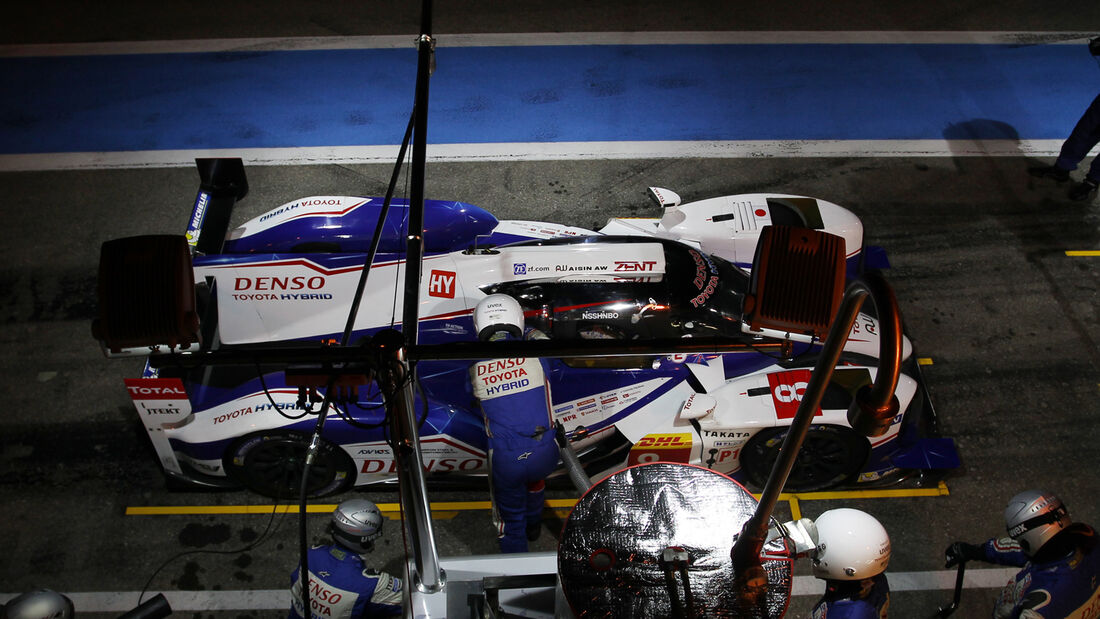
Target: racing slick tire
{"type": "Point", "coordinates": [830, 456]}
{"type": "Point", "coordinates": [270, 463]}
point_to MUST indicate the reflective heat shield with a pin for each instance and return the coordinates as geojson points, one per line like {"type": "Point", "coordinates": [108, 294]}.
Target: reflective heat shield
{"type": "Point", "coordinates": [635, 538]}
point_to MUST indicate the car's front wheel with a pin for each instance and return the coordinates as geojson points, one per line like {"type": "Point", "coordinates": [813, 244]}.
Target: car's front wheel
{"type": "Point", "coordinates": [830, 456]}
{"type": "Point", "coordinates": [271, 464]}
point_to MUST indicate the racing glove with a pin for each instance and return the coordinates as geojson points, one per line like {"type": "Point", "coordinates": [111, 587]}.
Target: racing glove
{"type": "Point", "coordinates": [960, 552]}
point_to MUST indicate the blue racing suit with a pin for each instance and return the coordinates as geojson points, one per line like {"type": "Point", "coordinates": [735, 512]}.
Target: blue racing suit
{"type": "Point", "coordinates": [1085, 135]}
{"type": "Point", "coordinates": [1061, 580]}
{"type": "Point", "coordinates": [515, 402]}
{"type": "Point", "coordinates": [854, 599]}
{"type": "Point", "coordinates": [341, 585]}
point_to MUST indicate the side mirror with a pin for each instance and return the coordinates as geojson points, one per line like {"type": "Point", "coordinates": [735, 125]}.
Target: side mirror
{"type": "Point", "coordinates": [665, 198]}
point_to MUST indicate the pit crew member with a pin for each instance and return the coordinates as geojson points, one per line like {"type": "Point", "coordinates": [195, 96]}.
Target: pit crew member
{"type": "Point", "coordinates": [341, 584]}
{"type": "Point", "coordinates": [1060, 560]}
{"type": "Point", "coordinates": [515, 404]}
{"type": "Point", "coordinates": [39, 604]}
{"type": "Point", "coordinates": [849, 550]}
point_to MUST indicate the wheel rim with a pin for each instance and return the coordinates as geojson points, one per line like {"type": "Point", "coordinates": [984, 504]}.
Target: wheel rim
{"type": "Point", "coordinates": [829, 456]}
{"type": "Point", "coordinates": [274, 468]}
{"type": "Point", "coordinates": [822, 461]}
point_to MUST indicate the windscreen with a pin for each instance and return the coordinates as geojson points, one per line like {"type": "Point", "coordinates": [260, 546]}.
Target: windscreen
{"type": "Point", "coordinates": [698, 294]}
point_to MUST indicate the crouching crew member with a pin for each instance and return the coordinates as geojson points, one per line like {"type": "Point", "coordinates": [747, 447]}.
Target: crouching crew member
{"type": "Point", "coordinates": [39, 604]}
{"type": "Point", "coordinates": [853, 550]}
{"type": "Point", "coordinates": [515, 403]}
{"type": "Point", "coordinates": [1060, 575]}
{"type": "Point", "coordinates": [340, 583]}
{"type": "Point", "coordinates": [849, 550]}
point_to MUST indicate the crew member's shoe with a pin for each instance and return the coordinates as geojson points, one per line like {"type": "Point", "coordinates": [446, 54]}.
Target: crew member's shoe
{"type": "Point", "coordinates": [1084, 190]}
{"type": "Point", "coordinates": [534, 529]}
{"type": "Point", "coordinates": [1054, 173]}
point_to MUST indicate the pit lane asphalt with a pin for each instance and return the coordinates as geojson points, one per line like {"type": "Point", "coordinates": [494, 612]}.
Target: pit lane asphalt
{"type": "Point", "coordinates": [979, 266]}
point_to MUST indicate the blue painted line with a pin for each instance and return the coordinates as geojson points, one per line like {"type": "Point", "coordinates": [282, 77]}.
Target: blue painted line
{"type": "Point", "coordinates": [307, 98]}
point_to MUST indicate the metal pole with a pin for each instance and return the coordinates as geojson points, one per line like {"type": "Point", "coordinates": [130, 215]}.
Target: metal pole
{"type": "Point", "coordinates": [746, 550]}
{"type": "Point", "coordinates": [406, 437]}
{"type": "Point", "coordinates": [407, 452]}
{"type": "Point", "coordinates": [569, 459]}
{"type": "Point", "coordinates": [415, 240]}
{"type": "Point", "coordinates": [453, 351]}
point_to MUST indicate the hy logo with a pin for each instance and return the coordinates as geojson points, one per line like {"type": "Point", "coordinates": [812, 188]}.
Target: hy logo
{"type": "Point", "coordinates": [441, 284]}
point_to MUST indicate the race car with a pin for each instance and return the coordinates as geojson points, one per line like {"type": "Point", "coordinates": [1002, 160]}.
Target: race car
{"type": "Point", "coordinates": [290, 275]}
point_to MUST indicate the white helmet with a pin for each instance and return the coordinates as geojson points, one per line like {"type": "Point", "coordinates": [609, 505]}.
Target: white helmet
{"type": "Point", "coordinates": [40, 604]}
{"type": "Point", "coordinates": [851, 545]}
{"type": "Point", "coordinates": [497, 315]}
{"type": "Point", "coordinates": [356, 524]}
{"type": "Point", "coordinates": [1033, 517]}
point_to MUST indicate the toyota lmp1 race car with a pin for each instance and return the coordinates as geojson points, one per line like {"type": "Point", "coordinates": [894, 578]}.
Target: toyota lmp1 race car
{"type": "Point", "coordinates": [290, 275]}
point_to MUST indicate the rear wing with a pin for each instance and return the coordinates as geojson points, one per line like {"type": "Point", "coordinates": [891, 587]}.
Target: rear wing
{"type": "Point", "coordinates": [146, 284]}
{"type": "Point", "coordinates": [222, 183]}
{"type": "Point", "coordinates": [146, 292]}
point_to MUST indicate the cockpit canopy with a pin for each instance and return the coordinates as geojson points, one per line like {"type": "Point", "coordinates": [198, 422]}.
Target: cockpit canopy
{"type": "Point", "coordinates": [697, 295]}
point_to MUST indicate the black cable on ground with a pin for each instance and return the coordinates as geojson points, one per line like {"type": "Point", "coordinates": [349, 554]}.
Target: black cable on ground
{"type": "Point", "coordinates": [267, 533]}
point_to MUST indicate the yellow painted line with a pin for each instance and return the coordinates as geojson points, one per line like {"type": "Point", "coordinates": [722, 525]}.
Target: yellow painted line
{"type": "Point", "coordinates": [390, 510]}
{"type": "Point", "coordinates": [436, 515]}
{"type": "Point", "coordinates": [457, 506]}
{"type": "Point", "coordinates": [450, 509]}
{"type": "Point", "coordinates": [893, 493]}
{"type": "Point", "coordinates": [796, 511]}
{"type": "Point", "coordinates": [198, 510]}
{"type": "Point", "coordinates": [1083, 252]}
{"type": "Point", "coordinates": [924, 360]}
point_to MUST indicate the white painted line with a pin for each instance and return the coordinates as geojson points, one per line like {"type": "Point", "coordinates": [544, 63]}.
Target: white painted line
{"type": "Point", "coordinates": [279, 599]}
{"type": "Point", "coordinates": [527, 39]}
{"type": "Point", "coordinates": [539, 151]}
{"type": "Point", "coordinates": [196, 46]}
{"type": "Point", "coordinates": [922, 581]}
{"type": "Point", "coordinates": [993, 578]}
{"type": "Point", "coordinates": [122, 601]}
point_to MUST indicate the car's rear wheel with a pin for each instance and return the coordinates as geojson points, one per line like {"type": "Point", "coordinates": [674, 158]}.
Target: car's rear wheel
{"type": "Point", "coordinates": [830, 456]}
{"type": "Point", "coordinates": [271, 463]}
